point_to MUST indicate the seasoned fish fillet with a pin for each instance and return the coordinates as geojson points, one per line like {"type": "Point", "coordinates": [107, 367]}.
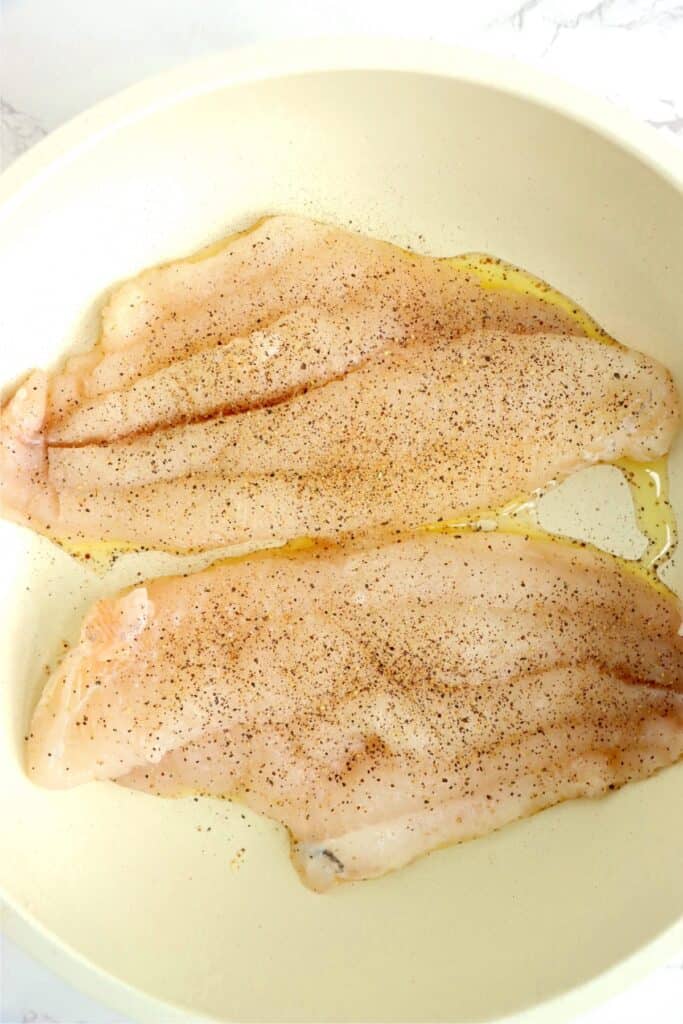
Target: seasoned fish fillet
{"type": "Point", "coordinates": [306, 380]}
{"type": "Point", "coordinates": [379, 700]}
{"type": "Point", "coordinates": [420, 433]}
{"type": "Point", "coordinates": [284, 306]}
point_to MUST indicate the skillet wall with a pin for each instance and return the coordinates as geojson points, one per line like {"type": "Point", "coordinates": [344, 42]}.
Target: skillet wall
{"type": "Point", "coordinates": [129, 882]}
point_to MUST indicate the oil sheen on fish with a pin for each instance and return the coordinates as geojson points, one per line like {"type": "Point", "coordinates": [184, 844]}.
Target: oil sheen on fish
{"type": "Point", "coordinates": [307, 380]}
{"type": "Point", "coordinates": [378, 699]}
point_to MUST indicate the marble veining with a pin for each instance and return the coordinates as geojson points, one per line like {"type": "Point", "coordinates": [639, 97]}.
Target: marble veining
{"type": "Point", "coordinates": [18, 132]}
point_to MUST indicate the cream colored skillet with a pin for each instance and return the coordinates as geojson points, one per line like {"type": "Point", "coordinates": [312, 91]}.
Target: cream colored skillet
{"type": "Point", "coordinates": [189, 909]}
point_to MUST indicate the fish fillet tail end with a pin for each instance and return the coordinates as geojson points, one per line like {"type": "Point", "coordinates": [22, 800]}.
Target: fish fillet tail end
{"type": "Point", "coordinates": [25, 494]}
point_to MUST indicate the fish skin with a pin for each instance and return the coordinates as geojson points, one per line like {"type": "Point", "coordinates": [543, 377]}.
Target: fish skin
{"type": "Point", "coordinates": [377, 699]}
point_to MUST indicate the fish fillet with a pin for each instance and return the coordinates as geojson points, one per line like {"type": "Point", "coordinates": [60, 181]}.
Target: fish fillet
{"type": "Point", "coordinates": [418, 434]}
{"type": "Point", "coordinates": [378, 699]}
{"type": "Point", "coordinates": [306, 380]}
{"type": "Point", "coordinates": [286, 305]}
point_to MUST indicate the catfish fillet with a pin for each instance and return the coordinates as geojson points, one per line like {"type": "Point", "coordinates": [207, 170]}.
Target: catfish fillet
{"type": "Point", "coordinates": [378, 700]}
{"type": "Point", "coordinates": [307, 380]}
{"type": "Point", "coordinates": [422, 432]}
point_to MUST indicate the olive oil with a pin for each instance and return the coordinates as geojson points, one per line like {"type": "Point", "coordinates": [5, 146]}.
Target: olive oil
{"type": "Point", "coordinates": [98, 555]}
{"type": "Point", "coordinates": [647, 481]}
{"type": "Point", "coordinates": [649, 486]}
{"type": "Point", "coordinates": [497, 275]}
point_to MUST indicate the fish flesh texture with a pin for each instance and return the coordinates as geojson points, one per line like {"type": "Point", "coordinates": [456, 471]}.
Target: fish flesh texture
{"type": "Point", "coordinates": [419, 434]}
{"type": "Point", "coordinates": [305, 380]}
{"type": "Point", "coordinates": [378, 698]}
{"type": "Point", "coordinates": [286, 305]}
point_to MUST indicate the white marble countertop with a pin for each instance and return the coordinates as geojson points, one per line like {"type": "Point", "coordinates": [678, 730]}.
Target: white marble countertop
{"type": "Point", "coordinates": [628, 51]}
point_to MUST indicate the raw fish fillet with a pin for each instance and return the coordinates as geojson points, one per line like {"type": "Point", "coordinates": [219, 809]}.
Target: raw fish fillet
{"type": "Point", "coordinates": [306, 380]}
{"type": "Point", "coordinates": [231, 330]}
{"type": "Point", "coordinates": [378, 699]}
{"type": "Point", "coordinates": [421, 433]}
